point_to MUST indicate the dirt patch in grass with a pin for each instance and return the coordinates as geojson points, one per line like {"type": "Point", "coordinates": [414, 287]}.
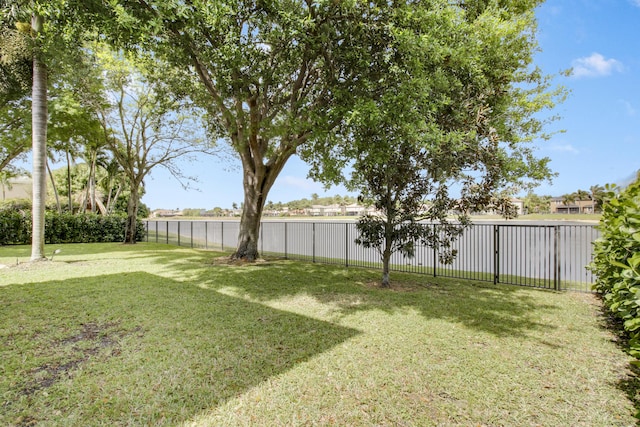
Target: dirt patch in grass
{"type": "Point", "coordinates": [37, 265]}
{"type": "Point", "coordinates": [90, 341]}
{"type": "Point", "coordinates": [402, 286]}
{"type": "Point", "coordinates": [227, 260]}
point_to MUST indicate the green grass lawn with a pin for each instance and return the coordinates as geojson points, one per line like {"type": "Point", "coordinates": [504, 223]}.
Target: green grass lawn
{"type": "Point", "coordinates": [107, 334]}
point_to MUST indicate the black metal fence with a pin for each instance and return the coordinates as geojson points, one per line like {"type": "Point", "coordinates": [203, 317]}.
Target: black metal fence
{"type": "Point", "coordinates": [544, 256]}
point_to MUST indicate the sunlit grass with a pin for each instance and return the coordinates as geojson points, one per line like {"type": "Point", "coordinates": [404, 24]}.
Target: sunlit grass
{"type": "Point", "coordinates": [158, 335]}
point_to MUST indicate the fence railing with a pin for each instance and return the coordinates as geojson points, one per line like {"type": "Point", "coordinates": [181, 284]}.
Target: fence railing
{"type": "Point", "coordinates": [544, 256]}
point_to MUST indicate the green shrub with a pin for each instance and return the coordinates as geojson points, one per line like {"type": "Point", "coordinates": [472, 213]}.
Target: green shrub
{"type": "Point", "coordinates": [617, 259]}
{"type": "Point", "coordinates": [15, 228]}
{"type": "Point", "coordinates": [15, 205]}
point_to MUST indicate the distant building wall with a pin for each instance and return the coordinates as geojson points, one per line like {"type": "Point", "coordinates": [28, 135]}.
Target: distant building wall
{"type": "Point", "coordinates": [17, 188]}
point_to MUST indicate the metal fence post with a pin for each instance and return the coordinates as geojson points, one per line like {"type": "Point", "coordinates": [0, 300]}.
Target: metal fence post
{"type": "Point", "coordinates": [167, 224]}
{"type": "Point", "coordinates": [179, 233]}
{"type": "Point", "coordinates": [262, 238]}
{"type": "Point", "coordinates": [285, 240]}
{"type": "Point", "coordinates": [313, 241]}
{"type": "Point", "coordinates": [346, 244]}
{"type": "Point", "coordinates": [496, 254]}
{"type": "Point", "coordinates": [206, 234]}
{"type": "Point", "coordinates": [435, 252]}
{"type": "Point", "coordinates": [156, 231]}
{"type": "Point", "coordinates": [191, 222]}
{"type": "Point", "coordinates": [222, 235]}
{"type": "Point", "coordinates": [556, 257]}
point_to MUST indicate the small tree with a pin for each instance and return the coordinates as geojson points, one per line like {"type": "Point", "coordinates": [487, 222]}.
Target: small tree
{"type": "Point", "coordinates": [451, 103]}
{"type": "Point", "coordinates": [397, 190]}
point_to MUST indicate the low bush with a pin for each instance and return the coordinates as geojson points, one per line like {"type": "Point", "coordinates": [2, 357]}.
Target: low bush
{"type": "Point", "coordinates": [617, 260]}
{"type": "Point", "coordinates": [15, 228]}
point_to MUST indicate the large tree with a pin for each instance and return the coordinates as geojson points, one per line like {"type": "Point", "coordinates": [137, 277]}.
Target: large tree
{"type": "Point", "coordinates": [273, 76]}
{"type": "Point", "coordinates": [447, 126]}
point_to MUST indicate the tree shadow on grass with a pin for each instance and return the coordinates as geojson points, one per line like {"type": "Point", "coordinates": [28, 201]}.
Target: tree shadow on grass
{"type": "Point", "coordinates": [500, 310]}
{"type": "Point", "coordinates": [159, 352]}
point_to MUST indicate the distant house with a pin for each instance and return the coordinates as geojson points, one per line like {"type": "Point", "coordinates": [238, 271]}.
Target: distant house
{"type": "Point", "coordinates": [316, 210]}
{"type": "Point", "coordinates": [574, 207]}
{"type": "Point", "coordinates": [165, 213]}
{"type": "Point", "coordinates": [517, 203]}
{"type": "Point", "coordinates": [339, 210]}
{"type": "Point", "coordinates": [354, 209]}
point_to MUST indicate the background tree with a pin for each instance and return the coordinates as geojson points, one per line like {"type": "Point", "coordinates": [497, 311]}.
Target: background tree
{"type": "Point", "coordinates": [582, 195]}
{"type": "Point", "coordinates": [74, 129]}
{"type": "Point", "coordinates": [568, 199]}
{"type": "Point", "coordinates": [534, 203]}
{"type": "Point", "coordinates": [454, 102]}
{"type": "Point", "coordinates": [597, 194]}
{"type": "Point", "coordinates": [145, 129]}
{"type": "Point", "coordinates": [111, 191]}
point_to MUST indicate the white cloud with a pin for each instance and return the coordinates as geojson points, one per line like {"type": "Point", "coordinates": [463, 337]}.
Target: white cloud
{"type": "Point", "coordinates": [635, 2]}
{"type": "Point", "coordinates": [595, 65]}
{"type": "Point", "coordinates": [631, 111]}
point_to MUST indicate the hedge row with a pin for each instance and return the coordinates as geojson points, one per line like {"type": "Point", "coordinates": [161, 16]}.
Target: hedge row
{"type": "Point", "coordinates": [617, 260]}
{"type": "Point", "coordinates": [15, 228]}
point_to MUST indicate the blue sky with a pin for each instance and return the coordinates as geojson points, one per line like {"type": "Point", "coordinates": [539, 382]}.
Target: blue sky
{"type": "Point", "coordinates": [600, 39]}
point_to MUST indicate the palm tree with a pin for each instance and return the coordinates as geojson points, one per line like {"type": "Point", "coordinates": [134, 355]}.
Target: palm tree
{"type": "Point", "coordinates": [582, 195]}
{"type": "Point", "coordinates": [568, 199]}
{"type": "Point", "coordinates": [113, 182]}
{"type": "Point", "coordinates": [95, 154]}
{"type": "Point", "coordinates": [597, 193]}
{"type": "Point", "coordinates": [39, 146]}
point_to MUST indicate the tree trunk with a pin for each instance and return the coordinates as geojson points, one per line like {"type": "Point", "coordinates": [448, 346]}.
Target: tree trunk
{"type": "Point", "coordinates": [39, 146]}
{"type": "Point", "coordinates": [132, 216]}
{"type": "Point", "coordinates": [386, 260]}
{"type": "Point", "coordinates": [92, 185]}
{"type": "Point", "coordinates": [69, 182]}
{"type": "Point", "coordinates": [386, 253]}
{"type": "Point", "coordinates": [55, 189]}
{"type": "Point", "coordinates": [256, 188]}
{"type": "Point", "coordinates": [249, 232]}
